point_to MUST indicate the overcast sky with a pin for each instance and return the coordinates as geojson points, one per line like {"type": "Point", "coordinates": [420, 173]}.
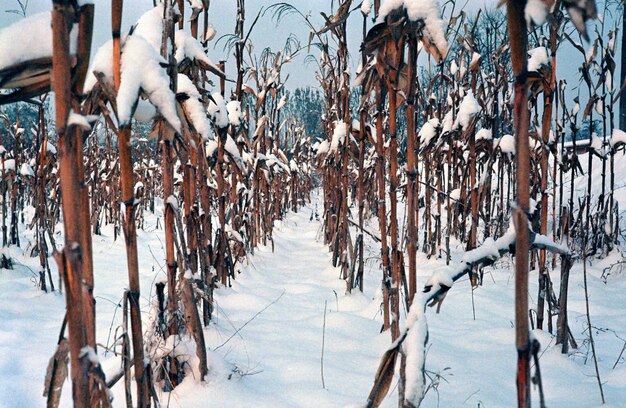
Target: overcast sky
{"type": "Point", "coordinates": [222, 16]}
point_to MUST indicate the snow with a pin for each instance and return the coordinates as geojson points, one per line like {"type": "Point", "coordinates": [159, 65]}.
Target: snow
{"type": "Point", "coordinates": [366, 7]}
{"type": "Point", "coordinates": [454, 68]}
{"type": "Point", "coordinates": [233, 234]}
{"type": "Point", "coordinates": [234, 113]}
{"type": "Point", "coordinates": [150, 27]}
{"type": "Point", "coordinates": [26, 170]}
{"type": "Point", "coordinates": [447, 123]}
{"type": "Point", "coordinates": [275, 359]}
{"type": "Point", "coordinates": [536, 12]}
{"type": "Point", "coordinates": [142, 71]}
{"type": "Point", "coordinates": [484, 134]}
{"type": "Point", "coordinates": [506, 143]}
{"type": "Point", "coordinates": [101, 62]}
{"type": "Point", "coordinates": [90, 353]}
{"type": "Point", "coordinates": [217, 110]}
{"type": "Point", "coordinates": [81, 121]}
{"type": "Point", "coordinates": [323, 148]}
{"type": "Point", "coordinates": [189, 47]}
{"type": "Point", "coordinates": [468, 110]}
{"type": "Point", "coordinates": [428, 131]}
{"type": "Point", "coordinates": [440, 278]}
{"type": "Point", "coordinates": [138, 187]}
{"type": "Point", "coordinates": [172, 201]}
{"type": "Point", "coordinates": [9, 165]}
{"type": "Point", "coordinates": [455, 194]}
{"type": "Point", "coordinates": [415, 351]}
{"type": "Point", "coordinates": [293, 166]}
{"type": "Point", "coordinates": [488, 249]}
{"type": "Point", "coordinates": [537, 58]}
{"type": "Point", "coordinates": [424, 10]}
{"type": "Point", "coordinates": [194, 107]}
{"type": "Point", "coordinates": [618, 137]}
{"type": "Point", "coordinates": [230, 147]}
{"type": "Point", "coordinates": [339, 136]}
{"type": "Point", "coordinates": [29, 38]}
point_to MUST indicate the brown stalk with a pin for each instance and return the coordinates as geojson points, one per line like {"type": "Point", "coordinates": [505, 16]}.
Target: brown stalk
{"type": "Point", "coordinates": [411, 169]}
{"type": "Point", "coordinates": [519, 45]}
{"type": "Point", "coordinates": [130, 226]}
{"type": "Point", "coordinates": [74, 261]}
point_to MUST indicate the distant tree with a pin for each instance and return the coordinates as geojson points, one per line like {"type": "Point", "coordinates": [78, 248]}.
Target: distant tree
{"type": "Point", "coordinates": [306, 104]}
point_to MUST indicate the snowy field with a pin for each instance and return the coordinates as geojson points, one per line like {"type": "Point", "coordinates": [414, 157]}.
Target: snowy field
{"type": "Point", "coordinates": [265, 344]}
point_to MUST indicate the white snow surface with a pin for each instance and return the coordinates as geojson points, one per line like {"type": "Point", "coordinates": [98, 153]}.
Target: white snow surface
{"type": "Point", "coordinates": [428, 131]}
{"type": "Point", "coordinates": [274, 361]}
{"type": "Point", "coordinates": [484, 134]}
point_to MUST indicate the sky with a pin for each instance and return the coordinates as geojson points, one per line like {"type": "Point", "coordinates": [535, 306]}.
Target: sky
{"type": "Point", "coordinates": [267, 33]}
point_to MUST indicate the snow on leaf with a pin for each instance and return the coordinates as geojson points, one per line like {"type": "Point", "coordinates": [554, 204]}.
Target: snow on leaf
{"type": "Point", "coordinates": [189, 47]}
{"type": "Point", "coordinates": [217, 110]}
{"type": "Point", "coordinates": [415, 353]}
{"type": "Point", "coordinates": [618, 137]}
{"type": "Point", "coordinates": [172, 201]}
{"type": "Point", "coordinates": [194, 107]}
{"type": "Point", "coordinates": [150, 27]}
{"type": "Point", "coordinates": [428, 131]}
{"type": "Point", "coordinates": [484, 134]}
{"type": "Point", "coordinates": [366, 7]}
{"type": "Point", "coordinates": [29, 38]}
{"type": "Point", "coordinates": [537, 58]}
{"type": "Point", "coordinates": [536, 12]}
{"type": "Point", "coordinates": [26, 170]}
{"type": "Point", "coordinates": [506, 143]}
{"type": "Point", "coordinates": [468, 110]}
{"type": "Point", "coordinates": [234, 112]}
{"type": "Point", "coordinates": [142, 71]}
{"type": "Point", "coordinates": [339, 136]}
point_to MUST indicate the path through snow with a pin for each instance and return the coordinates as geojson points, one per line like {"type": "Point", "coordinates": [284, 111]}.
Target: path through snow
{"type": "Point", "coordinates": [274, 361]}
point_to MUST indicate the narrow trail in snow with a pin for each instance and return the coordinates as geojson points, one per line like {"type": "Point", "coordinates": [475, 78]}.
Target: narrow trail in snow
{"type": "Point", "coordinates": [275, 359]}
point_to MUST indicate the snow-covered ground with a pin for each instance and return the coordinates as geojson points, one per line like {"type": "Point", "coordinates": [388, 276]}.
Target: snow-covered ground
{"type": "Point", "coordinates": [265, 343]}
